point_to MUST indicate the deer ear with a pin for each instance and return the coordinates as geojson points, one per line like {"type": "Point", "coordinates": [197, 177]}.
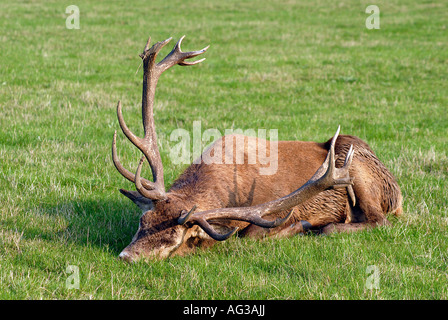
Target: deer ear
{"type": "Point", "coordinates": [143, 203]}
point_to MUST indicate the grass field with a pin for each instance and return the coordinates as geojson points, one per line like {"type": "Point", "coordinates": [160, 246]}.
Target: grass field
{"type": "Point", "coordinates": [302, 67]}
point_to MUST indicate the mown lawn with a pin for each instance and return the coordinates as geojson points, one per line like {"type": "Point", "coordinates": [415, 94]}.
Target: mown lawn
{"type": "Point", "coordinates": [302, 67]}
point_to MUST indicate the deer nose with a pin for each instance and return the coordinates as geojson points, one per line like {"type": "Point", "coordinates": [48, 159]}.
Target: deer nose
{"type": "Point", "coordinates": [126, 256]}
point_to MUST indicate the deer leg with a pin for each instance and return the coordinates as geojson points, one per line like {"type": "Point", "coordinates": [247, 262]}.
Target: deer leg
{"type": "Point", "coordinates": [345, 227]}
{"type": "Point", "coordinates": [279, 232]}
{"type": "Point", "coordinates": [373, 214]}
{"type": "Point", "coordinates": [295, 228]}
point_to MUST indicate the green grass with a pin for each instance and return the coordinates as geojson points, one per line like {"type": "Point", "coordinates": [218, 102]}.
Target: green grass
{"type": "Point", "coordinates": [302, 67]}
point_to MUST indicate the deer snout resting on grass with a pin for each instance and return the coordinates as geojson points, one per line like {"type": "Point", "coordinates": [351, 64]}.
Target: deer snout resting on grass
{"type": "Point", "coordinates": [334, 186]}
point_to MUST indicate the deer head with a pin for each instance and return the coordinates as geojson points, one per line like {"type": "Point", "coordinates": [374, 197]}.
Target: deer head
{"type": "Point", "coordinates": [171, 223]}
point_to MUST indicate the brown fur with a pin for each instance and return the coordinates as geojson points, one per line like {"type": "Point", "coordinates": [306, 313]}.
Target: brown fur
{"type": "Point", "coordinates": [211, 186]}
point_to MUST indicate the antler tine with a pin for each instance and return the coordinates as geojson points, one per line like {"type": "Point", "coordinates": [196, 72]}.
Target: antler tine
{"type": "Point", "coordinates": [326, 169]}
{"type": "Point", "coordinates": [155, 194]}
{"type": "Point", "coordinates": [128, 133]}
{"type": "Point", "coordinates": [190, 63]}
{"type": "Point", "coordinates": [212, 232]}
{"type": "Point", "coordinates": [190, 54]}
{"type": "Point", "coordinates": [185, 217]}
{"type": "Point", "coordinates": [147, 44]}
{"type": "Point", "coordinates": [124, 172]}
{"type": "Point", "coordinates": [154, 50]}
{"type": "Point", "coordinates": [176, 56]}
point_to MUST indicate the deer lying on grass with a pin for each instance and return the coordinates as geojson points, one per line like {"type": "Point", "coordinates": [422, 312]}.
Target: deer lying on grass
{"type": "Point", "coordinates": [339, 185]}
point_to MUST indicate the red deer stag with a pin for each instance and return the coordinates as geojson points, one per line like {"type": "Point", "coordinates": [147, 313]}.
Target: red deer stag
{"type": "Point", "coordinates": [338, 185]}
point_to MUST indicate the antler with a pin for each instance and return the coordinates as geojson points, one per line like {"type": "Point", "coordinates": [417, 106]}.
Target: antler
{"type": "Point", "coordinates": [326, 176]}
{"type": "Point", "coordinates": [148, 144]}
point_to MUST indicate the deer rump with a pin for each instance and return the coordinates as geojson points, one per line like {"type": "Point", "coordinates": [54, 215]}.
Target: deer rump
{"type": "Point", "coordinates": [239, 184]}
